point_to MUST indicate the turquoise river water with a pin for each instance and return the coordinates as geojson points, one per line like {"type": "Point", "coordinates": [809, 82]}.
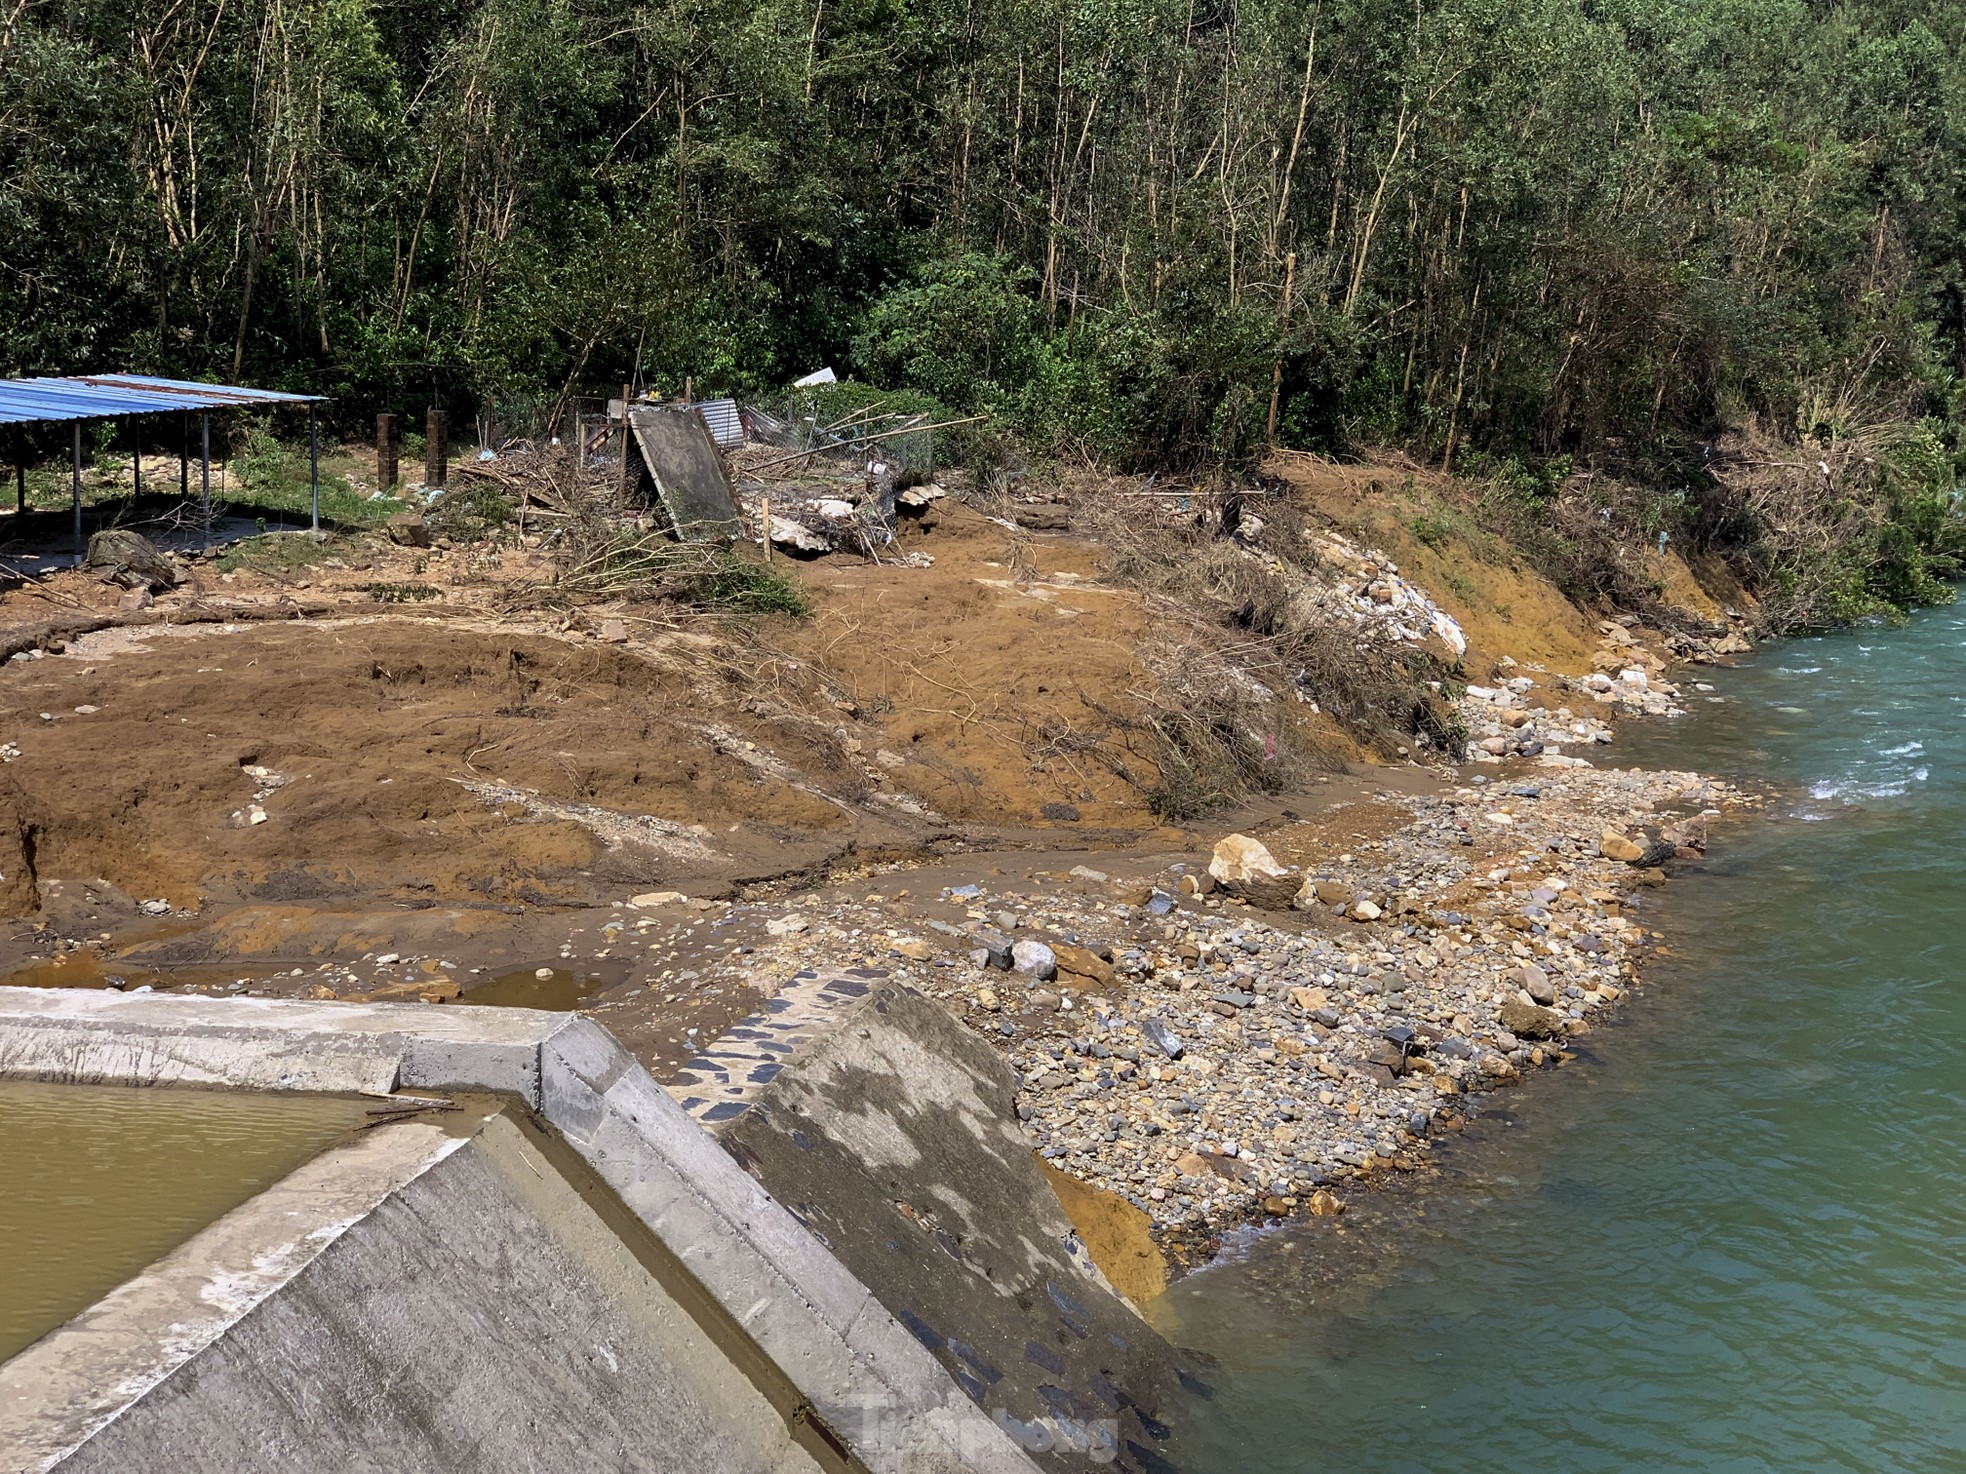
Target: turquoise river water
{"type": "Point", "coordinates": [1734, 1239]}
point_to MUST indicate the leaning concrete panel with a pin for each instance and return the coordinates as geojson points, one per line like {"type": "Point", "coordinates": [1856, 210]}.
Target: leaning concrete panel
{"type": "Point", "coordinates": [689, 475]}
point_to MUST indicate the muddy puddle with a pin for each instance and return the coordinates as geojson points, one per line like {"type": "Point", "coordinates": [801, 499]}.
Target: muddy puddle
{"type": "Point", "coordinates": [555, 989]}
{"type": "Point", "coordinates": [102, 1181]}
{"type": "Point", "coordinates": [84, 969]}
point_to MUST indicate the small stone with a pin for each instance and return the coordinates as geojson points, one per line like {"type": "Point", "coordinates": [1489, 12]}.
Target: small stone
{"type": "Point", "coordinates": [913, 948]}
{"type": "Point", "coordinates": [786, 926]}
{"type": "Point", "coordinates": [1615, 846]}
{"type": "Point", "coordinates": [544, 974]}
{"type": "Point", "coordinates": [1536, 983]}
{"type": "Point", "coordinates": [1324, 1204]}
{"type": "Point", "coordinates": [1529, 1020]}
{"type": "Point", "coordinates": [408, 530]}
{"type": "Point", "coordinates": [614, 632]}
{"type": "Point", "coordinates": [1162, 1038]}
{"type": "Point", "coordinates": [1365, 911]}
{"type": "Point", "coordinates": [1083, 963]}
{"type": "Point", "coordinates": [1308, 999]}
{"type": "Point", "coordinates": [1034, 959]}
{"type": "Point", "coordinates": [996, 949]}
{"type": "Point", "coordinates": [1245, 868]}
{"type": "Point", "coordinates": [657, 898]}
{"type": "Point", "coordinates": [134, 600]}
{"type": "Point", "coordinates": [1046, 1001]}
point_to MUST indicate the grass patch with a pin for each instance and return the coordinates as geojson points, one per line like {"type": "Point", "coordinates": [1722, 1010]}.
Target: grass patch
{"type": "Point", "coordinates": [1431, 532]}
{"type": "Point", "coordinates": [274, 477]}
{"type": "Point", "coordinates": [400, 593]}
{"type": "Point", "coordinates": [281, 552]}
{"type": "Point", "coordinates": [751, 588]}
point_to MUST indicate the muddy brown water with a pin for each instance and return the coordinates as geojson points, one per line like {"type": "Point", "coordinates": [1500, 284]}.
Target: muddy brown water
{"type": "Point", "coordinates": [102, 1181]}
{"type": "Point", "coordinates": [560, 991]}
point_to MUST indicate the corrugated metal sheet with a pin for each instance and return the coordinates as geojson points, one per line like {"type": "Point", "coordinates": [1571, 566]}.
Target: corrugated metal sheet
{"type": "Point", "coordinates": [726, 428]}
{"type": "Point", "coordinates": [108, 396]}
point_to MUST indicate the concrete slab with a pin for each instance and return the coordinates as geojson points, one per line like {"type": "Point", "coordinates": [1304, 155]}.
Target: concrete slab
{"type": "Point", "coordinates": [857, 1374]}
{"type": "Point", "coordinates": [357, 1328]}
{"type": "Point", "coordinates": [92, 1036]}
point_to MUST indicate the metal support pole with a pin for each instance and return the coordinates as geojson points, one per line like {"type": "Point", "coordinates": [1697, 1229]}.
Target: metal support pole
{"type": "Point", "coordinates": [75, 487]}
{"type": "Point", "coordinates": [205, 475]}
{"type": "Point", "coordinates": [436, 448]}
{"type": "Point", "coordinates": [20, 474]}
{"type": "Point", "coordinates": [184, 456]}
{"type": "Point", "coordinates": [627, 442]}
{"type": "Point", "coordinates": [136, 462]}
{"type": "Point", "coordinates": [314, 465]}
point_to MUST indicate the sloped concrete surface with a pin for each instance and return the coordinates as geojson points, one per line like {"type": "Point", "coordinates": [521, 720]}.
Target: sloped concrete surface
{"type": "Point", "coordinates": [474, 1312]}
{"type": "Point", "coordinates": [785, 1305]}
{"type": "Point", "coordinates": [892, 1135]}
{"type": "Point", "coordinates": [62, 1390]}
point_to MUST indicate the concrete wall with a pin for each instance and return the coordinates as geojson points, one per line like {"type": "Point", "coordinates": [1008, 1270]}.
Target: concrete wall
{"type": "Point", "coordinates": [481, 1315]}
{"type": "Point", "coordinates": [805, 1332]}
{"type": "Point", "coordinates": [893, 1136]}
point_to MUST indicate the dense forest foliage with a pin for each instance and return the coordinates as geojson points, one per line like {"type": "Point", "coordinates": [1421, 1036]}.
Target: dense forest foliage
{"type": "Point", "coordinates": [1525, 233]}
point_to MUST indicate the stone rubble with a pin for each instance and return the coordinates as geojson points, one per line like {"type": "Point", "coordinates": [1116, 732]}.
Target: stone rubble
{"type": "Point", "coordinates": [1216, 1062]}
{"type": "Point", "coordinates": [1512, 717]}
{"type": "Point", "coordinates": [1366, 587]}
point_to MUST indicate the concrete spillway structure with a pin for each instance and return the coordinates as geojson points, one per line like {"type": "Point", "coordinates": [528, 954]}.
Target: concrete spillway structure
{"type": "Point", "coordinates": [562, 1271]}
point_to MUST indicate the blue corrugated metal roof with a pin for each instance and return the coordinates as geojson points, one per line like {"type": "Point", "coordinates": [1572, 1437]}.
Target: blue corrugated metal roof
{"type": "Point", "coordinates": [107, 396]}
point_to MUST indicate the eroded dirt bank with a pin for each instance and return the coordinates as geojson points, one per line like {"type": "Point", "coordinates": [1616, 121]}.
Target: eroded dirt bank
{"type": "Point", "coordinates": [284, 780]}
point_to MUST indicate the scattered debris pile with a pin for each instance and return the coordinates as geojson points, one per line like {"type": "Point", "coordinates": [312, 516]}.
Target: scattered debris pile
{"type": "Point", "coordinates": [836, 487]}
{"type": "Point", "coordinates": [1366, 587]}
{"type": "Point", "coordinates": [1508, 720]}
{"type": "Point", "coordinates": [539, 479]}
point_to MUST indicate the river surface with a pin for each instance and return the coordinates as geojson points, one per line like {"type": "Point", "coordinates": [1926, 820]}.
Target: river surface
{"type": "Point", "coordinates": [1734, 1241]}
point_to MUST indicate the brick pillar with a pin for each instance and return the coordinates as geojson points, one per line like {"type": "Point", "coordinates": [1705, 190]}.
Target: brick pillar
{"type": "Point", "coordinates": [388, 445]}
{"type": "Point", "coordinates": [436, 447]}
